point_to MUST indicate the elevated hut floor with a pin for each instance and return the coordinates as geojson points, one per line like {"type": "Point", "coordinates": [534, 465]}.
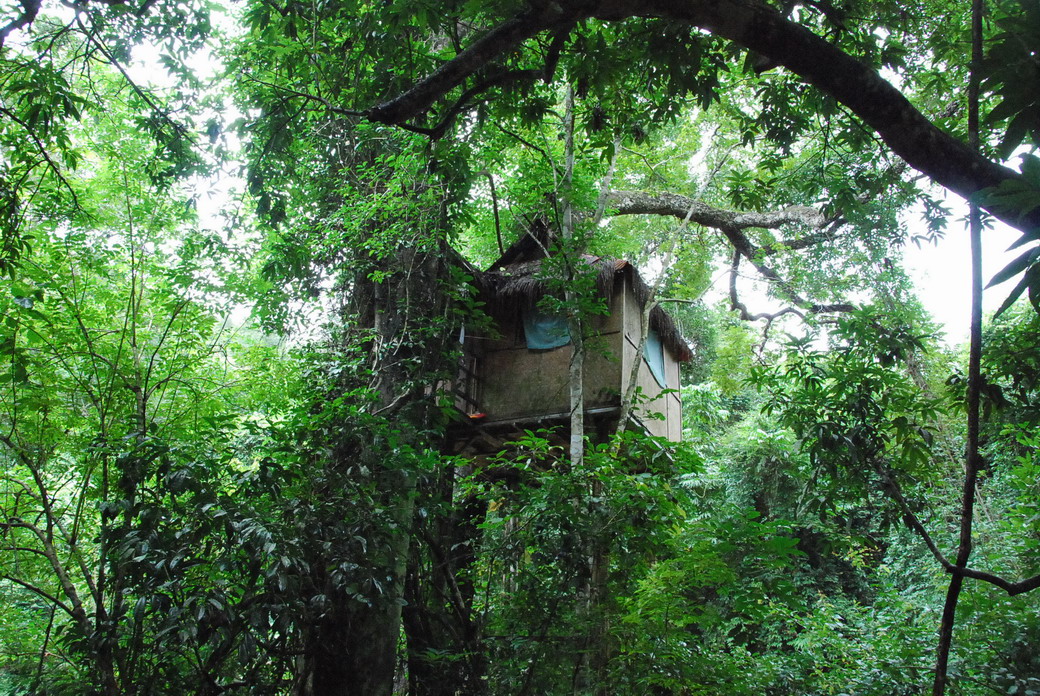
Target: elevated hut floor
{"type": "Point", "coordinates": [480, 439]}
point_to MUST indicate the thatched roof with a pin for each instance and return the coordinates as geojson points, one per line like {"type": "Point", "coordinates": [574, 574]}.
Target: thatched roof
{"type": "Point", "coordinates": [516, 281]}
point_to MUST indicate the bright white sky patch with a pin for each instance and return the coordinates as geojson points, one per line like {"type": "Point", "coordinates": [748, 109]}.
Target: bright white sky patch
{"type": "Point", "coordinates": [942, 272]}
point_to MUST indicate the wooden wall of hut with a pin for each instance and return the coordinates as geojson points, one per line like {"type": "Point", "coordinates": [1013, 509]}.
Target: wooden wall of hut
{"type": "Point", "coordinates": [515, 383]}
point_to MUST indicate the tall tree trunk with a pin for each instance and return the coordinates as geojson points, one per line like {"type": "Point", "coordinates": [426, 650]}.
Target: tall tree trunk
{"type": "Point", "coordinates": [972, 456]}
{"type": "Point", "coordinates": [353, 649]}
{"type": "Point", "coordinates": [572, 300]}
{"type": "Point", "coordinates": [446, 653]}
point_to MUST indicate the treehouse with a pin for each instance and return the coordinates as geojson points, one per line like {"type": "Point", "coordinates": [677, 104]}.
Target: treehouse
{"type": "Point", "coordinates": [516, 371]}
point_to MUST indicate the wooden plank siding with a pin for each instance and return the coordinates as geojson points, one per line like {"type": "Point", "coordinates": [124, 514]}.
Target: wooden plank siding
{"type": "Point", "coordinates": [515, 383]}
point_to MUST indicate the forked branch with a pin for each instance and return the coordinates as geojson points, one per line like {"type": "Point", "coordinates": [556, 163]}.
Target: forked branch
{"type": "Point", "coordinates": [894, 491]}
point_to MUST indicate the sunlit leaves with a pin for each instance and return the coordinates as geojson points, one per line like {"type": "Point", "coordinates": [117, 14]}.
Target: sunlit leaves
{"type": "Point", "coordinates": [853, 410]}
{"type": "Point", "coordinates": [62, 74]}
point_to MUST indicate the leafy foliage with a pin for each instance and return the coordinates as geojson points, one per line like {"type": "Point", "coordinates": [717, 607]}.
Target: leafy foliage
{"type": "Point", "coordinates": [183, 510]}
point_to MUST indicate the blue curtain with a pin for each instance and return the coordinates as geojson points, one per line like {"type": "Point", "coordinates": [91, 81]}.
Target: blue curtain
{"type": "Point", "coordinates": [545, 331]}
{"type": "Point", "coordinates": [653, 351]}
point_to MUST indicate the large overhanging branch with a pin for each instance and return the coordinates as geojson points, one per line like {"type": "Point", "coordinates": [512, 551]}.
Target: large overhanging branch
{"type": "Point", "coordinates": [732, 225]}
{"type": "Point", "coordinates": [496, 42]}
{"type": "Point", "coordinates": [675, 205]}
{"type": "Point", "coordinates": [30, 8]}
{"type": "Point", "coordinates": [752, 24]}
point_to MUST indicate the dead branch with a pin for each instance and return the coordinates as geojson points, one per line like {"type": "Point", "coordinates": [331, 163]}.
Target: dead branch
{"type": "Point", "coordinates": [675, 205]}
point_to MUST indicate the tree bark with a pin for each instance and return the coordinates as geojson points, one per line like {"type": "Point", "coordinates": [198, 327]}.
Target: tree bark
{"type": "Point", "coordinates": [446, 651]}
{"type": "Point", "coordinates": [972, 459]}
{"type": "Point", "coordinates": [353, 649]}
{"type": "Point", "coordinates": [684, 208]}
{"type": "Point", "coordinates": [575, 324]}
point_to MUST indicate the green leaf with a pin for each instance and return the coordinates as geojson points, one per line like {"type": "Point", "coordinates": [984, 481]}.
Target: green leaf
{"type": "Point", "coordinates": [1015, 267]}
{"type": "Point", "coordinates": [1029, 280]}
{"type": "Point", "coordinates": [1028, 236]}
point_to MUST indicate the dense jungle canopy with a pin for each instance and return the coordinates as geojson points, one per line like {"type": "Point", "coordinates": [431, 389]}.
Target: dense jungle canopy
{"type": "Point", "coordinates": [242, 248]}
